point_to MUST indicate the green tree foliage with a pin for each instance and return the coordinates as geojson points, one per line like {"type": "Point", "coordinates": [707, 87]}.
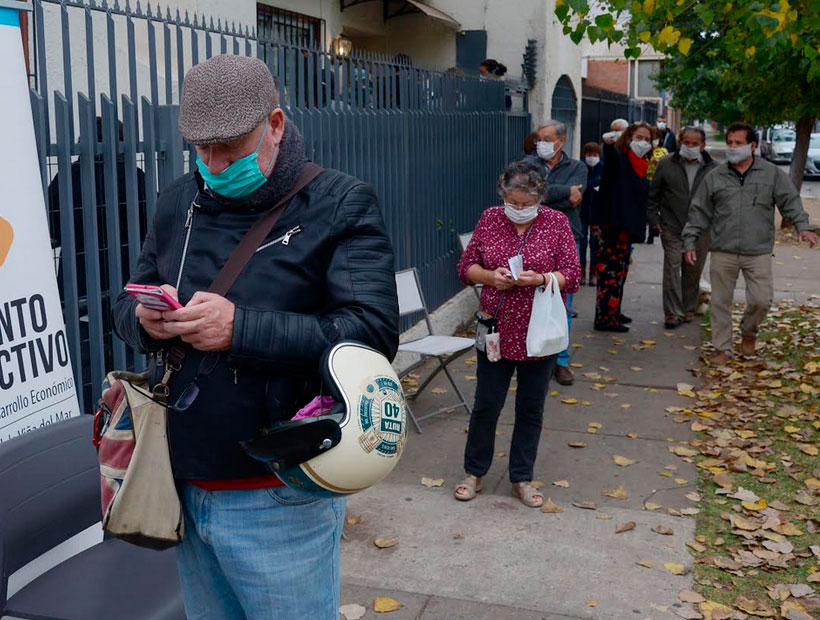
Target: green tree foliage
{"type": "Point", "coordinates": [753, 60]}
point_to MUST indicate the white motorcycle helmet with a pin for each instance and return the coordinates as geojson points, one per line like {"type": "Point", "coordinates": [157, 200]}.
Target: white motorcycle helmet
{"type": "Point", "coordinates": [357, 443]}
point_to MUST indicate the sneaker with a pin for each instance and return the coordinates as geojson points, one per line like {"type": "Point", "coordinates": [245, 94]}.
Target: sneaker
{"type": "Point", "coordinates": [618, 329]}
{"type": "Point", "coordinates": [564, 376]}
{"type": "Point", "coordinates": [721, 358]}
{"type": "Point", "coordinates": [748, 345]}
{"type": "Point", "coordinates": [672, 322]}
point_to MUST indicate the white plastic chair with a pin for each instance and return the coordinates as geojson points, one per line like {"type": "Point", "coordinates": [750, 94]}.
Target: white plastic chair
{"type": "Point", "coordinates": [445, 349]}
{"type": "Point", "coordinates": [464, 241]}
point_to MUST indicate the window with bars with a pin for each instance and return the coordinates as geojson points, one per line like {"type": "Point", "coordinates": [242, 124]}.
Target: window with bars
{"type": "Point", "coordinates": [274, 24]}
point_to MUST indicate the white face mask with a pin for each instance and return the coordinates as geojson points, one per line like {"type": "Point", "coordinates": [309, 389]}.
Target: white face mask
{"type": "Point", "coordinates": [545, 150]}
{"type": "Point", "coordinates": [592, 161]}
{"type": "Point", "coordinates": [737, 154]}
{"type": "Point", "coordinates": [640, 147]}
{"type": "Point", "coordinates": [521, 216]}
{"type": "Point", "coordinates": [661, 125]}
{"type": "Point", "coordinates": [689, 153]}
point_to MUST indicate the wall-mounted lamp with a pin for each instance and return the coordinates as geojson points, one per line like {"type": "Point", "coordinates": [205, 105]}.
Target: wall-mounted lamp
{"type": "Point", "coordinates": [342, 46]}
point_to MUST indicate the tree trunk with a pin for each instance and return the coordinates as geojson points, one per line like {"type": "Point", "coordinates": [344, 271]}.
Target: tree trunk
{"type": "Point", "coordinates": [805, 124]}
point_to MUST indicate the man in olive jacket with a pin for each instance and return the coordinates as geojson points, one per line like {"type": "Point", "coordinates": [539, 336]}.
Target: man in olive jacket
{"type": "Point", "coordinates": [676, 180]}
{"type": "Point", "coordinates": [735, 205]}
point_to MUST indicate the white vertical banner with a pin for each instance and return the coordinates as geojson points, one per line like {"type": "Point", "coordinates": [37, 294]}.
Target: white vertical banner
{"type": "Point", "coordinates": [36, 381]}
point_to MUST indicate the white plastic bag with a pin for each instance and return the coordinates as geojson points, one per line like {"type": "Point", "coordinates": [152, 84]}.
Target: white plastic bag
{"type": "Point", "coordinates": [548, 332]}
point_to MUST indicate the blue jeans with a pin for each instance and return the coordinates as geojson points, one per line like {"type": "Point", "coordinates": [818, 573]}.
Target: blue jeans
{"type": "Point", "coordinates": [260, 554]}
{"type": "Point", "coordinates": [563, 356]}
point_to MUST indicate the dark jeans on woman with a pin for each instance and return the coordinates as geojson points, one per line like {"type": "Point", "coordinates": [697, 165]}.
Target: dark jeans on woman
{"type": "Point", "coordinates": [590, 237]}
{"type": "Point", "coordinates": [613, 256]}
{"type": "Point", "coordinates": [493, 382]}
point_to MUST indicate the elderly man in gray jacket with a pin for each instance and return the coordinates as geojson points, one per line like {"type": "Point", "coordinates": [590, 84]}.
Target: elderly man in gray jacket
{"type": "Point", "coordinates": [566, 181]}
{"type": "Point", "coordinates": [676, 180]}
{"type": "Point", "coordinates": [735, 204]}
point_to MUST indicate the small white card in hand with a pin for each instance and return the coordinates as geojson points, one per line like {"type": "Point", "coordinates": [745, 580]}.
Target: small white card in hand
{"type": "Point", "coordinates": [516, 265]}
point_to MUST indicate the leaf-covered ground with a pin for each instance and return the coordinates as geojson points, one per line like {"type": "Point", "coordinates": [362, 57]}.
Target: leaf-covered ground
{"type": "Point", "coordinates": [757, 550]}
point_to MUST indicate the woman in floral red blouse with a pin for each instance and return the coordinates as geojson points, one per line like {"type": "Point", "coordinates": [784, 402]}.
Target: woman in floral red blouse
{"type": "Point", "coordinates": [544, 239]}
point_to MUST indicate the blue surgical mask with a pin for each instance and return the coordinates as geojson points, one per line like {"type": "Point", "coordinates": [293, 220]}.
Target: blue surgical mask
{"type": "Point", "coordinates": [242, 177]}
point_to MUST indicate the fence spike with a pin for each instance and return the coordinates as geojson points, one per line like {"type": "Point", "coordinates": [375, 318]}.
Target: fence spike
{"type": "Point", "coordinates": [148, 11]}
{"type": "Point", "coordinates": [177, 17]}
{"type": "Point", "coordinates": [167, 13]}
{"type": "Point", "coordinates": [187, 22]}
{"type": "Point", "coordinates": [138, 12]}
{"type": "Point", "coordinates": [233, 27]}
{"type": "Point", "coordinates": [117, 6]}
{"type": "Point", "coordinates": [211, 27]}
{"type": "Point", "coordinates": [196, 21]}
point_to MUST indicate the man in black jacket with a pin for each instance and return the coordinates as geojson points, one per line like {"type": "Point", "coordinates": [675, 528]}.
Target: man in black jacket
{"type": "Point", "coordinates": [676, 179]}
{"type": "Point", "coordinates": [252, 547]}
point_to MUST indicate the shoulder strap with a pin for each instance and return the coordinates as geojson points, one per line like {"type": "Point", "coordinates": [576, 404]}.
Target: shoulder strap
{"type": "Point", "coordinates": [256, 234]}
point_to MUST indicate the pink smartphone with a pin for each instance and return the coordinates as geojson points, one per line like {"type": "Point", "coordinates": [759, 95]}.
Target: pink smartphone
{"type": "Point", "coordinates": [152, 297]}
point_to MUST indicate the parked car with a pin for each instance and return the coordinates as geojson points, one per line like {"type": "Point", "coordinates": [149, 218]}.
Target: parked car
{"type": "Point", "coordinates": [813, 159]}
{"type": "Point", "coordinates": [777, 144]}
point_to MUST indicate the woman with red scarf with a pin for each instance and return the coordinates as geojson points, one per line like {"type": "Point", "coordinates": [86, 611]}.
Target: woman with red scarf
{"type": "Point", "coordinates": [621, 214]}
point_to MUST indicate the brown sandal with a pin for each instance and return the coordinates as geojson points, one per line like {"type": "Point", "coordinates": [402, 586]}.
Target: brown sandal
{"type": "Point", "coordinates": [528, 494]}
{"type": "Point", "coordinates": [468, 488]}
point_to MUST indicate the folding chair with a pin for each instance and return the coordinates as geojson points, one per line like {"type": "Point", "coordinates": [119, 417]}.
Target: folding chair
{"type": "Point", "coordinates": [443, 348]}
{"type": "Point", "coordinates": [464, 240]}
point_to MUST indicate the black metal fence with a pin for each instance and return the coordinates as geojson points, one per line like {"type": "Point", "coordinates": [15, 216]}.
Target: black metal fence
{"type": "Point", "coordinates": [431, 143]}
{"type": "Point", "coordinates": [599, 110]}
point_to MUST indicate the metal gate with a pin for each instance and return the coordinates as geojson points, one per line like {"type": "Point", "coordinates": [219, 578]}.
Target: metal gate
{"type": "Point", "coordinates": [105, 97]}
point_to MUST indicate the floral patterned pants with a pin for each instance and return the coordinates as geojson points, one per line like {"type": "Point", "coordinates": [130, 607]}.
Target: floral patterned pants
{"type": "Point", "coordinates": [613, 265]}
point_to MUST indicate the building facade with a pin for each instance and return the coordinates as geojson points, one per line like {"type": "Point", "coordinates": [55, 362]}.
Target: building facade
{"type": "Point", "coordinates": [443, 34]}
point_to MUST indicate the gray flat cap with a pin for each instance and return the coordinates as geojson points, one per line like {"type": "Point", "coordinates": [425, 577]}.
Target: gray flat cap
{"type": "Point", "coordinates": [225, 98]}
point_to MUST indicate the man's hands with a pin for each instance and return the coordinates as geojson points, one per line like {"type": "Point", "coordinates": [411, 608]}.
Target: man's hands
{"type": "Point", "coordinates": [576, 195]}
{"type": "Point", "coordinates": [206, 323]}
{"type": "Point", "coordinates": [151, 320]}
{"type": "Point", "coordinates": [808, 235]}
{"type": "Point", "coordinates": [690, 257]}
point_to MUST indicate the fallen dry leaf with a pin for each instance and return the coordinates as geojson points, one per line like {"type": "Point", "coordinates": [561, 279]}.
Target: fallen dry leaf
{"type": "Point", "coordinates": [353, 611]}
{"type": "Point", "coordinates": [663, 530]}
{"type": "Point", "coordinates": [569, 401]}
{"type": "Point", "coordinates": [438, 391]}
{"type": "Point", "coordinates": [715, 611]}
{"type": "Point", "coordinates": [385, 543]}
{"type": "Point", "coordinates": [561, 483]}
{"type": "Point", "coordinates": [354, 520]}
{"type": "Point", "coordinates": [675, 569]}
{"type": "Point", "coordinates": [682, 451]}
{"type": "Point", "coordinates": [625, 527]}
{"type": "Point", "coordinates": [385, 604]}
{"type": "Point", "coordinates": [550, 508]}
{"type": "Point", "coordinates": [592, 603]}
{"type": "Point", "coordinates": [430, 482]}
{"type": "Point", "coordinates": [690, 596]}
{"type": "Point", "coordinates": [623, 461]}
{"type": "Point", "coordinates": [684, 389]}
{"type": "Point", "coordinates": [617, 493]}
{"type": "Point", "coordinates": [577, 444]}
{"type": "Point", "coordinates": [585, 505]}
{"type": "Point", "coordinates": [646, 563]}
{"type": "Point", "coordinates": [652, 506]}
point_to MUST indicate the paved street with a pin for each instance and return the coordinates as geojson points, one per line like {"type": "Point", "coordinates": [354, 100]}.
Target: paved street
{"type": "Point", "coordinates": [493, 558]}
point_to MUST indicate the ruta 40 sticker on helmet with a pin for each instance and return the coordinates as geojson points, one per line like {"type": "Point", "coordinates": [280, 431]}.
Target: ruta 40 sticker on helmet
{"type": "Point", "coordinates": [382, 417]}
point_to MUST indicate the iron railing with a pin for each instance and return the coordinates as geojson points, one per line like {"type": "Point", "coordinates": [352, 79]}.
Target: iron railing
{"type": "Point", "coordinates": [105, 102]}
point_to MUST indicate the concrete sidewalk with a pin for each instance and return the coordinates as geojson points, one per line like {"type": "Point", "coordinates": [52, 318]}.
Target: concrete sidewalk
{"type": "Point", "coordinates": [493, 558]}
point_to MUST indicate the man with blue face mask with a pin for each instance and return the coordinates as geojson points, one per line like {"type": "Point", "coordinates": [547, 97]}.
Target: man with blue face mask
{"type": "Point", "coordinates": [735, 206]}
{"type": "Point", "coordinates": [254, 548]}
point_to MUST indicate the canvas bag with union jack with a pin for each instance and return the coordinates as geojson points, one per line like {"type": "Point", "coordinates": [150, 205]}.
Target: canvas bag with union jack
{"type": "Point", "coordinates": [139, 497]}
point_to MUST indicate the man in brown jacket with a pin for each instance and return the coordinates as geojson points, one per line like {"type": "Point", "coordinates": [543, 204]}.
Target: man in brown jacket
{"type": "Point", "coordinates": [676, 180]}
